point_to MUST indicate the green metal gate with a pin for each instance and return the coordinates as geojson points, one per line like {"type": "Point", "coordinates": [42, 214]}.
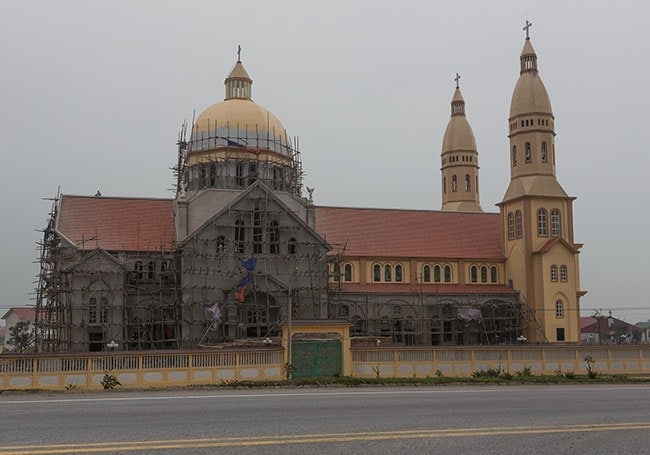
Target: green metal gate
{"type": "Point", "coordinates": [313, 358]}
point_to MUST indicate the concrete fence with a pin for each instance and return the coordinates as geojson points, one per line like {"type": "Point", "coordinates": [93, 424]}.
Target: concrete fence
{"type": "Point", "coordinates": [182, 368]}
{"type": "Point", "coordinates": [139, 370]}
{"type": "Point", "coordinates": [463, 361]}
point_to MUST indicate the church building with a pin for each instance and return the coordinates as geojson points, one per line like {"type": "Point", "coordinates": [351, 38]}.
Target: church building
{"type": "Point", "coordinates": [243, 248]}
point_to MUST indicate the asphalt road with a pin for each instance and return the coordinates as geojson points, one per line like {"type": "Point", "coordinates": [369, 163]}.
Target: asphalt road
{"type": "Point", "coordinates": [513, 419]}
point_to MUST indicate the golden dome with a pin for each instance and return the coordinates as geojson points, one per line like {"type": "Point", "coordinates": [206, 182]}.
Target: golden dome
{"type": "Point", "coordinates": [238, 121]}
{"type": "Point", "coordinates": [458, 135]}
{"type": "Point", "coordinates": [530, 95]}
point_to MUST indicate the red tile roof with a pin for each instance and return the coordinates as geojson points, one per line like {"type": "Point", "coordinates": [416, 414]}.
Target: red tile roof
{"type": "Point", "coordinates": [23, 312]}
{"type": "Point", "coordinates": [410, 233]}
{"type": "Point", "coordinates": [117, 224]}
{"type": "Point", "coordinates": [590, 325]}
{"type": "Point", "coordinates": [429, 288]}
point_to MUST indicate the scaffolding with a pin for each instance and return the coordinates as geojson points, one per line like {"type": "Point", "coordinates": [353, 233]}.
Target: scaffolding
{"type": "Point", "coordinates": [86, 297]}
{"type": "Point", "coordinates": [431, 319]}
{"type": "Point", "coordinates": [235, 277]}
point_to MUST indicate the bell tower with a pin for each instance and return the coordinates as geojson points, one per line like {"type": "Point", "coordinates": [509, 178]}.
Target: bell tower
{"type": "Point", "coordinates": [459, 160]}
{"type": "Point", "coordinates": [537, 214]}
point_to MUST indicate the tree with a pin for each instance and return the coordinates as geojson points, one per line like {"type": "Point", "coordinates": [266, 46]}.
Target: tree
{"type": "Point", "coordinates": [21, 337]}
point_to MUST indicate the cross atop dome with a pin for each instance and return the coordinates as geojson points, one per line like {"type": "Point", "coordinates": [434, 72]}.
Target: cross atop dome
{"type": "Point", "coordinates": [527, 28]}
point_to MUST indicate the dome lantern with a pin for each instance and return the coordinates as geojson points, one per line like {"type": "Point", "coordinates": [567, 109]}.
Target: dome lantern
{"type": "Point", "coordinates": [238, 83]}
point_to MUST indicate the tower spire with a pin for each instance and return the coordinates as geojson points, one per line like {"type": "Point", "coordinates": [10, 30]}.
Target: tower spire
{"type": "Point", "coordinates": [238, 83]}
{"type": "Point", "coordinates": [459, 160]}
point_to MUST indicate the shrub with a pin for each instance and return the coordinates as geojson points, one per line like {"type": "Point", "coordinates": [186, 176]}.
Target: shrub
{"type": "Point", "coordinates": [526, 372]}
{"type": "Point", "coordinates": [109, 381]}
{"type": "Point", "coordinates": [489, 373]}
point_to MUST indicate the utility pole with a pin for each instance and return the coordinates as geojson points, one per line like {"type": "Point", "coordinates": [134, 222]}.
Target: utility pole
{"type": "Point", "coordinates": [598, 316]}
{"type": "Point", "coordinates": [289, 311]}
{"type": "Point", "coordinates": [289, 366]}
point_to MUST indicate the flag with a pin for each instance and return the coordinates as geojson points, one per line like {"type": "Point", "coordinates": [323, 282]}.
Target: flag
{"type": "Point", "coordinates": [249, 264]}
{"type": "Point", "coordinates": [240, 290]}
{"type": "Point", "coordinates": [249, 267]}
{"type": "Point", "coordinates": [234, 144]}
{"type": "Point", "coordinates": [215, 312]}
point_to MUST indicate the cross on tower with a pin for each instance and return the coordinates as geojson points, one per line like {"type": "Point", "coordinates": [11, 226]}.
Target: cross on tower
{"type": "Point", "coordinates": [457, 78]}
{"type": "Point", "coordinates": [238, 53]}
{"type": "Point", "coordinates": [527, 28]}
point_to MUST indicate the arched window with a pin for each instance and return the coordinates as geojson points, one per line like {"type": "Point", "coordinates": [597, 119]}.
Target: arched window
{"type": "Point", "coordinates": [468, 183]}
{"type": "Point", "coordinates": [347, 272]}
{"type": "Point", "coordinates": [213, 174]}
{"type": "Point", "coordinates": [473, 274]}
{"type": "Point", "coordinates": [559, 308]}
{"type": "Point", "coordinates": [336, 272]}
{"type": "Point", "coordinates": [103, 310]}
{"type": "Point", "coordinates": [384, 326]}
{"type": "Point", "coordinates": [544, 153]}
{"type": "Point", "coordinates": [447, 271]}
{"type": "Point", "coordinates": [518, 227]}
{"type": "Point", "coordinates": [257, 232]}
{"type": "Point", "coordinates": [514, 155]}
{"type": "Point", "coordinates": [554, 273]}
{"type": "Point", "coordinates": [564, 274]}
{"type": "Point", "coordinates": [376, 273]}
{"type": "Point", "coordinates": [291, 246]}
{"type": "Point", "coordinates": [92, 310]}
{"type": "Point", "coordinates": [239, 174]}
{"type": "Point", "coordinates": [454, 183]}
{"type": "Point", "coordinates": [494, 274]}
{"type": "Point", "coordinates": [528, 153]}
{"type": "Point", "coordinates": [274, 238]}
{"type": "Point", "coordinates": [388, 273]}
{"type": "Point", "coordinates": [151, 270]}
{"type": "Point", "coordinates": [399, 271]}
{"type": "Point", "coordinates": [542, 223]}
{"type": "Point", "coordinates": [240, 236]}
{"type": "Point", "coordinates": [221, 244]}
{"type": "Point", "coordinates": [556, 223]}
{"type": "Point", "coordinates": [139, 270]}
{"type": "Point", "coordinates": [436, 274]}
{"type": "Point", "coordinates": [483, 274]}
{"type": "Point", "coordinates": [426, 274]}
{"type": "Point", "coordinates": [444, 185]}
{"type": "Point", "coordinates": [511, 226]}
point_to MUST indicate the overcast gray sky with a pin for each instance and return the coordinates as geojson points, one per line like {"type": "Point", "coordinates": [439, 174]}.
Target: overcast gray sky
{"type": "Point", "coordinates": [92, 95]}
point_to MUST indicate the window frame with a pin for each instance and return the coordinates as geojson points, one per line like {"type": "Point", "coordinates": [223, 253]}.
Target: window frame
{"type": "Point", "coordinates": [494, 274]}
{"type": "Point", "coordinates": [542, 222]}
{"type": "Point", "coordinates": [426, 273]}
{"type": "Point", "coordinates": [347, 272]}
{"type": "Point", "coordinates": [556, 223]}
{"type": "Point", "coordinates": [448, 274]}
